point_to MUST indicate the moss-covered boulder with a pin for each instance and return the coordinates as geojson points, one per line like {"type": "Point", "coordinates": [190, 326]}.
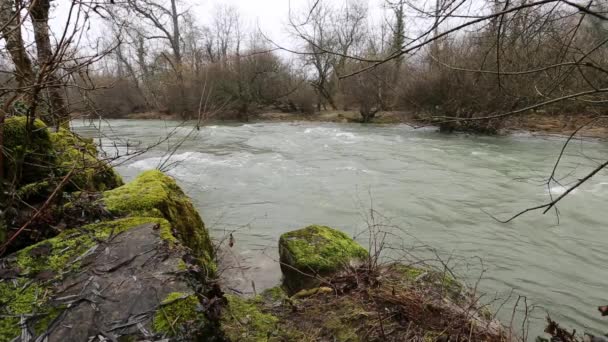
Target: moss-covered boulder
{"type": "Point", "coordinates": [37, 158]}
{"type": "Point", "coordinates": [131, 276]}
{"type": "Point", "coordinates": [80, 154]}
{"type": "Point", "coordinates": [308, 255]}
{"type": "Point", "coordinates": [35, 162]}
{"type": "Point", "coordinates": [154, 194]}
{"type": "Point", "coordinates": [120, 278]}
{"type": "Point", "coordinates": [28, 153]}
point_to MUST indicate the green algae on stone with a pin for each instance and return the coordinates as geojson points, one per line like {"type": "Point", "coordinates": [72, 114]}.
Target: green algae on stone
{"type": "Point", "coordinates": [176, 313]}
{"type": "Point", "coordinates": [315, 250]}
{"type": "Point", "coordinates": [243, 320]}
{"type": "Point", "coordinates": [155, 194]}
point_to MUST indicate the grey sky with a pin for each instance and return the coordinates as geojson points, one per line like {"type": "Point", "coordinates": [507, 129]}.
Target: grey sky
{"type": "Point", "coordinates": [270, 15]}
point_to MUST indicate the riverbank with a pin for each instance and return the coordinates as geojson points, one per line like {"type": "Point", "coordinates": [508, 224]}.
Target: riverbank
{"type": "Point", "coordinates": [536, 123]}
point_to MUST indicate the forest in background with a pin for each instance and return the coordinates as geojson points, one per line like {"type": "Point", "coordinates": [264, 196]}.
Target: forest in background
{"type": "Point", "coordinates": [463, 64]}
{"type": "Point", "coordinates": [448, 59]}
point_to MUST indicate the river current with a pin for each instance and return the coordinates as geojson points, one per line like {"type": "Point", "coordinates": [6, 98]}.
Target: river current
{"type": "Point", "coordinates": [263, 179]}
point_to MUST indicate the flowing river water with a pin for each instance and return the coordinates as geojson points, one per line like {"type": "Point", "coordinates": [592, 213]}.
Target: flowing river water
{"type": "Point", "coordinates": [264, 179]}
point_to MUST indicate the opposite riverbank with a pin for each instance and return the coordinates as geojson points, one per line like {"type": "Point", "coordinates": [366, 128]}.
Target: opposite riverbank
{"type": "Point", "coordinates": [536, 123]}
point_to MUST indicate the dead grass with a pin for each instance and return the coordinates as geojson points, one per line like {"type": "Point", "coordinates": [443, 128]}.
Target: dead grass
{"type": "Point", "coordinates": [392, 303]}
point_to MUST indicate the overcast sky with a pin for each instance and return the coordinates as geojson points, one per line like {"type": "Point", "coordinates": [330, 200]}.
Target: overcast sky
{"type": "Point", "coordinates": [269, 15]}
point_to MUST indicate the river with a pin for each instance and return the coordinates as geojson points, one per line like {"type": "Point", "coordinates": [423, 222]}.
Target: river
{"type": "Point", "coordinates": [264, 179]}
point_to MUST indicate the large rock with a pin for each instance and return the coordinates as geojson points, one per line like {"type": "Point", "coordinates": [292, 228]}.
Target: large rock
{"type": "Point", "coordinates": [154, 194]}
{"type": "Point", "coordinates": [35, 162]}
{"type": "Point", "coordinates": [29, 157]}
{"type": "Point", "coordinates": [39, 159]}
{"type": "Point", "coordinates": [130, 277]}
{"type": "Point", "coordinates": [312, 253]}
{"type": "Point", "coordinates": [92, 174]}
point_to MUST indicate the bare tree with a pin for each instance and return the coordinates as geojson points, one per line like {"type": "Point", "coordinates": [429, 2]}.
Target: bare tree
{"type": "Point", "coordinates": [58, 113]}
{"type": "Point", "coordinates": [317, 33]}
{"type": "Point", "coordinates": [10, 24]}
{"type": "Point", "coordinates": [164, 20]}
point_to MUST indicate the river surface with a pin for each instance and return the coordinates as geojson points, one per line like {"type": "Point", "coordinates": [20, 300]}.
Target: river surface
{"type": "Point", "coordinates": [261, 180]}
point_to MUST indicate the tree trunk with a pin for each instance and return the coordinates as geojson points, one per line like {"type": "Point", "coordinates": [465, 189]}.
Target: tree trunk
{"type": "Point", "coordinates": [10, 22]}
{"type": "Point", "coordinates": [58, 115]}
{"type": "Point", "coordinates": [178, 59]}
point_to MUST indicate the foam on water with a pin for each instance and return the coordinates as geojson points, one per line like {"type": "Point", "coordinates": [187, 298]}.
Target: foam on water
{"type": "Point", "coordinates": [560, 189]}
{"type": "Point", "coordinates": [195, 159]}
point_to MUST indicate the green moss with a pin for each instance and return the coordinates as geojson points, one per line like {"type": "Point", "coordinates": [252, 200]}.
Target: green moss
{"type": "Point", "coordinates": [409, 273]}
{"type": "Point", "coordinates": [176, 313]}
{"type": "Point", "coordinates": [341, 331]}
{"type": "Point", "coordinates": [312, 292]}
{"type": "Point", "coordinates": [91, 173]}
{"type": "Point", "coordinates": [181, 266]}
{"type": "Point", "coordinates": [315, 250]}
{"type": "Point", "coordinates": [36, 189]}
{"type": "Point", "coordinates": [432, 336]}
{"type": "Point", "coordinates": [274, 294]}
{"type": "Point", "coordinates": [155, 194]}
{"type": "Point", "coordinates": [15, 299]}
{"type": "Point", "coordinates": [242, 320]}
{"type": "Point", "coordinates": [442, 281]}
{"type": "Point", "coordinates": [42, 155]}
{"type": "Point", "coordinates": [56, 254]}
{"type": "Point", "coordinates": [43, 322]}
{"type": "Point", "coordinates": [28, 153]}
{"type": "Point", "coordinates": [319, 248]}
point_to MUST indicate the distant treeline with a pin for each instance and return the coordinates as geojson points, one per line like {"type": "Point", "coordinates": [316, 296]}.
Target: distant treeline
{"type": "Point", "coordinates": [518, 57]}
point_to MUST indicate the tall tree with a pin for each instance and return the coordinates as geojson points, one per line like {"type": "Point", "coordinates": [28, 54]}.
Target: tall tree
{"type": "Point", "coordinates": [164, 18]}
{"type": "Point", "coordinates": [58, 114]}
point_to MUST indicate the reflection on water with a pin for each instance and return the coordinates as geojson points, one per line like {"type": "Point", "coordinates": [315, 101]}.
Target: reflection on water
{"type": "Point", "coordinates": [265, 179]}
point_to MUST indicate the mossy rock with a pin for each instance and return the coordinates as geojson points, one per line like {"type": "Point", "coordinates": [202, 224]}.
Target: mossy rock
{"type": "Point", "coordinates": [28, 153]}
{"type": "Point", "coordinates": [155, 194]}
{"type": "Point", "coordinates": [80, 154]}
{"type": "Point", "coordinates": [179, 313]}
{"type": "Point", "coordinates": [57, 254]}
{"type": "Point", "coordinates": [313, 252]}
{"type": "Point", "coordinates": [45, 280]}
{"type": "Point", "coordinates": [34, 269]}
{"type": "Point", "coordinates": [34, 160]}
{"type": "Point", "coordinates": [244, 320]}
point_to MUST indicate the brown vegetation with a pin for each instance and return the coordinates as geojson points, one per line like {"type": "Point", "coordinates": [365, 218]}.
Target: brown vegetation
{"type": "Point", "coordinates": [513, 57]}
